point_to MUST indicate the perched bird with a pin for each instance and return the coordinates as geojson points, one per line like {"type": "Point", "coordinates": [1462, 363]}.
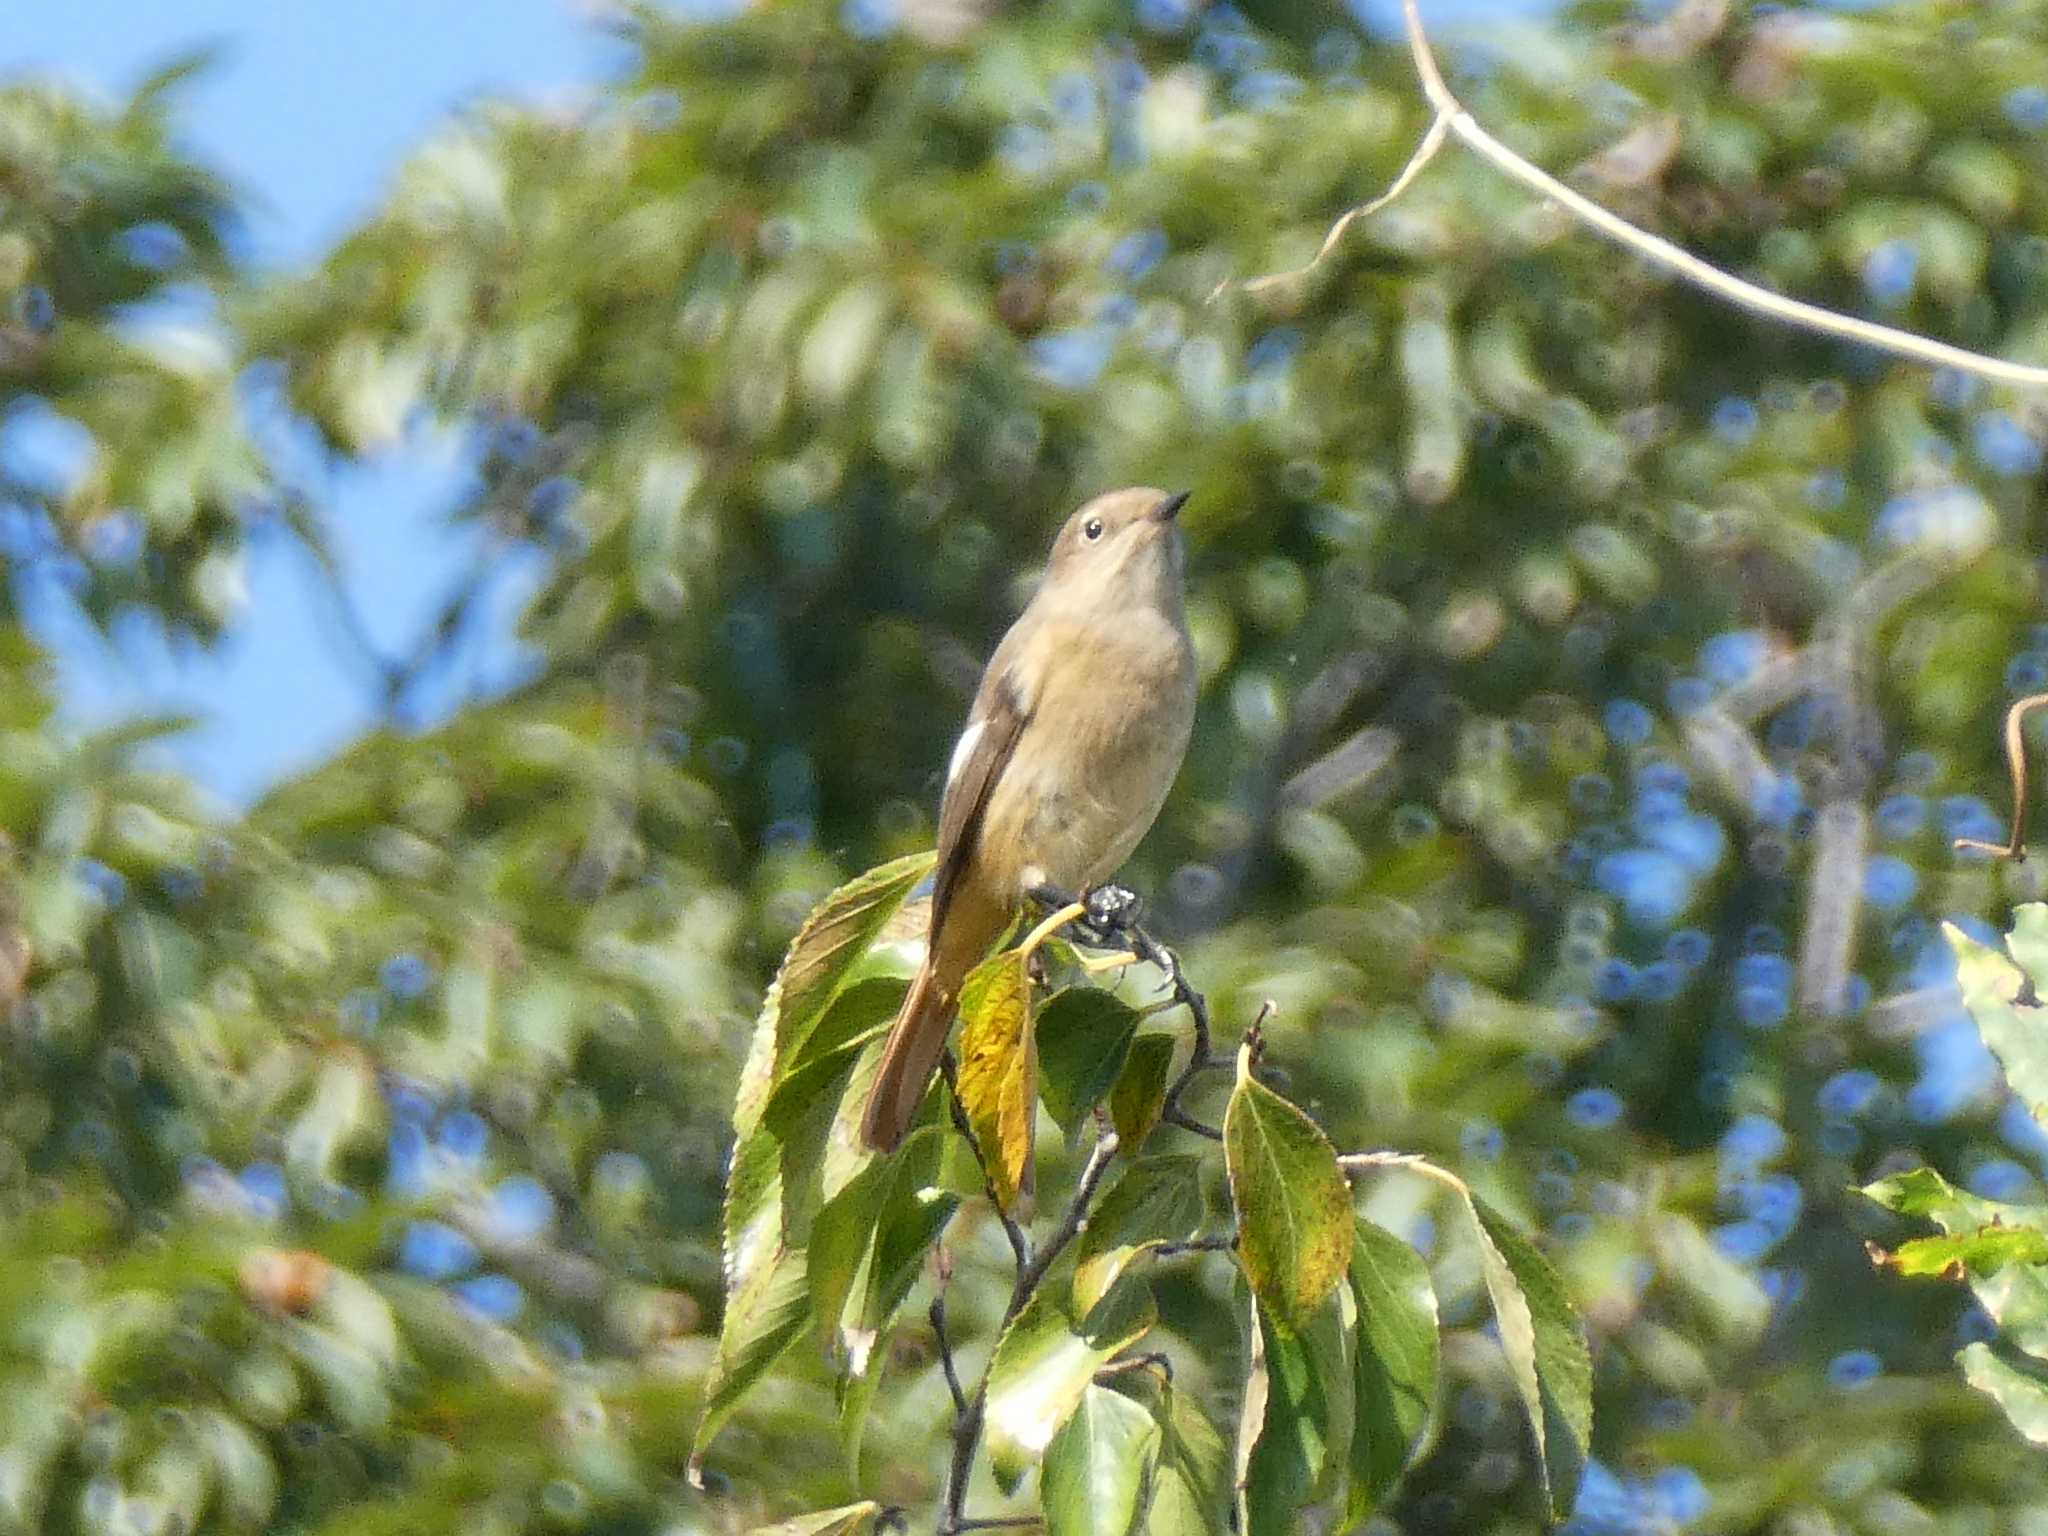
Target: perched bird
{"type": "Point", "coordinates": [1075, 735]}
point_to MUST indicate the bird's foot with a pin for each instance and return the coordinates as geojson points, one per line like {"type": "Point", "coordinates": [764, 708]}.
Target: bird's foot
{"type": "Point", "coordinates": [1112, 909]}
{"type": "Point", "coordinates": [1111, 913]}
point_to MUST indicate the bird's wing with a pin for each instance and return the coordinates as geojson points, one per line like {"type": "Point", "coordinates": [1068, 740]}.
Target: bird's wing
{"type": "Point", "coordinates": [1000, 713]}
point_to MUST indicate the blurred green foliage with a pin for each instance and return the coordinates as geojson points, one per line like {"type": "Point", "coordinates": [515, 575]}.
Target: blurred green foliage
{"type": "Point", "coordinates": [114, 247]}
{"type": "Point", "coordinates": [1593, 679]}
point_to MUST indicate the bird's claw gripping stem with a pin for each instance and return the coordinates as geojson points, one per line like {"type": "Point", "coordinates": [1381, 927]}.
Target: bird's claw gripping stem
{"type": "Point", "coordinates": [1113, 912]}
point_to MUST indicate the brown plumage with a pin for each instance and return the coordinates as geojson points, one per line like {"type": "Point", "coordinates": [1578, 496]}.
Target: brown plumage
{"type": "Point", "coordinates": [1074, 737]}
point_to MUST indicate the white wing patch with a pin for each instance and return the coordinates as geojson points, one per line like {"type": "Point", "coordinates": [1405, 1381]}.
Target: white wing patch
{"type": "Point", "coordinates": [963, 750]}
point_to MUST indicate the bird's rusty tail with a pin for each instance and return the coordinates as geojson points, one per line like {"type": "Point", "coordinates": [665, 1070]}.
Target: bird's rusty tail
{"type": "Point", "coordinates": [909, 1058]}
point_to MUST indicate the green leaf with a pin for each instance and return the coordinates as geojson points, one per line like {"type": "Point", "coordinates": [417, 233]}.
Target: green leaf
{"type": "Point", "coordinates": [1158, 1200]}
{"type": "Point", "coordinates": [999, 1069]}
{"type": "Point", "coordinates": [2028, 941]}
{"type": "Point", "coordinates": [2016, 1296]}
{"type": "Point", "coordinates": [1139, 1093]}
{"type": "Point", "coordinates": [1097, 1476]}
{"type": "Point", "coordinates": [842, 1239]}
{"type": "Point", "coordinates": [862, 1012]}
{"type": "Point", "coordinates": [1293, 1206]}
{"type": "Point", "coordinates": [1981, 1252]}
{"type": "Point", "coordinates": [845, 1151]}
{"type": "Point", "coordinates": [847, 1520]}
{"type": "Point", "coordinates": [1084, 1034]}
{"type": "Point", "coordinates": [1923, 1192]}
{"type": "Point", "coordinates": [775, 1184]}
{"type": "Point", "coordinates": [1042, 1364]}
{"type": "Point", "coordinates": [1545, 1344]}
{"type": "Point", "coordinates": [1987, 1236]}
{"type": "Point", "coordinates": [761, 1322]}
{"type": "Point", "coordinates": [1294, 1437]}
{"type": "Point", "coordinates": [2016, 1032]}
{"type": "Point", "coordinates": [2021, 1394]}
{"type": "Point", "coordinates": [1395, 1362]}
{"type": "Point", "coordinates": [825, 949]}
{"type": "Point", "coordinates": [1191, 1487]}
{"type": "Point", "coordinates": [868, 1247]}
{"type": "Point", "coordinates": [854, 1394]}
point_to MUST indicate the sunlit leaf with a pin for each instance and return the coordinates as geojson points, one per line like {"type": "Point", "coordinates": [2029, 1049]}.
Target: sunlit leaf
{"type": "Point", "coordinates": [1545, 1344]}
{"type": "Point", "coordinates": [1294, 1208]}
{"type": "Point", "coordinates": [2021, 1395]}
{"type": "Point", "coordinates": [1296, 1423]}
{"type": "Point", "coordinates": [1923, 1192]}
{"type": "Point", "coordinates": [999, 1069]}
{"type": "Point", "coordinates": [2016, 1296]}
{"type": "Point", "coordinates": [2012, 1021]}
{"type": "Point", "coordinates": [1042, 1363]}
{"type": "Point", "coordinates": [824, 950]}
{"type": "Point", "coordinates": [1098, 1467]}
{"type": "Point", "coordinates": [1982, 1251]}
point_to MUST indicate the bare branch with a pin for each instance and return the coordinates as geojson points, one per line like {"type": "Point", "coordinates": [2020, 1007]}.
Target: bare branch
{"type": "Point", "coordinates": [1425, 152]}
{"type": "Point", "coordinates": [2016, 765]}
{"type": "Point", "coordinates": [952, 1371]}
{"type": "Point", "coordinates": [1033, 1274]}
{"type": "Point", "coordinates": [1452, 117]}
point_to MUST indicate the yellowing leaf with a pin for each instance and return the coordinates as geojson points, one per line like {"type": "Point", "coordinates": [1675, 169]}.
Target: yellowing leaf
{"type": "Point", "coordinates": [999, 1070]}
{"type": "Point", "coordinates": [1989, 1249]}
{"type": "Point", "coordinates": [1293, 1206]}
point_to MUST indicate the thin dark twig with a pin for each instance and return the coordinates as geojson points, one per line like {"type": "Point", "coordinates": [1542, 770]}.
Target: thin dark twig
{"type": "Point", "coordinates": [1173, 1114]}
{"type": "Point", "coordinates": [1222, 1242]}
{"type": "Point", "coordinates": [1030, 1276]}
{"type": "Point", "coordinates": [938, 1317]}
{"type": "Point", "coordinates": [999, 1523]}
{"type": "Point", "coordinates": [1150, 1360]}
{"type": "Point", "coordinates": [966, 1436]}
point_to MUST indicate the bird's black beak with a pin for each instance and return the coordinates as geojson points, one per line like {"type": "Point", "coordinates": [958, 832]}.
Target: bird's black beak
{"type": "Point", "coordinates": [1169, 509]}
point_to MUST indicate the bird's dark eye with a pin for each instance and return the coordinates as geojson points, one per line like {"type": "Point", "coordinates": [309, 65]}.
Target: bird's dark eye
{"type": "Point", "coordinates": [1092, 528]}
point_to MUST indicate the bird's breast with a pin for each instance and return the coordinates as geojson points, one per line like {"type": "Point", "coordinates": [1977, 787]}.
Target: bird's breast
{"type": "Point", "coordinates": [1110, 722]}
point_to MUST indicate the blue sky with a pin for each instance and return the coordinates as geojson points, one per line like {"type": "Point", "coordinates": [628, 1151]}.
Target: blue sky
{"type": "Point", "coordinates": [309, 108]}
